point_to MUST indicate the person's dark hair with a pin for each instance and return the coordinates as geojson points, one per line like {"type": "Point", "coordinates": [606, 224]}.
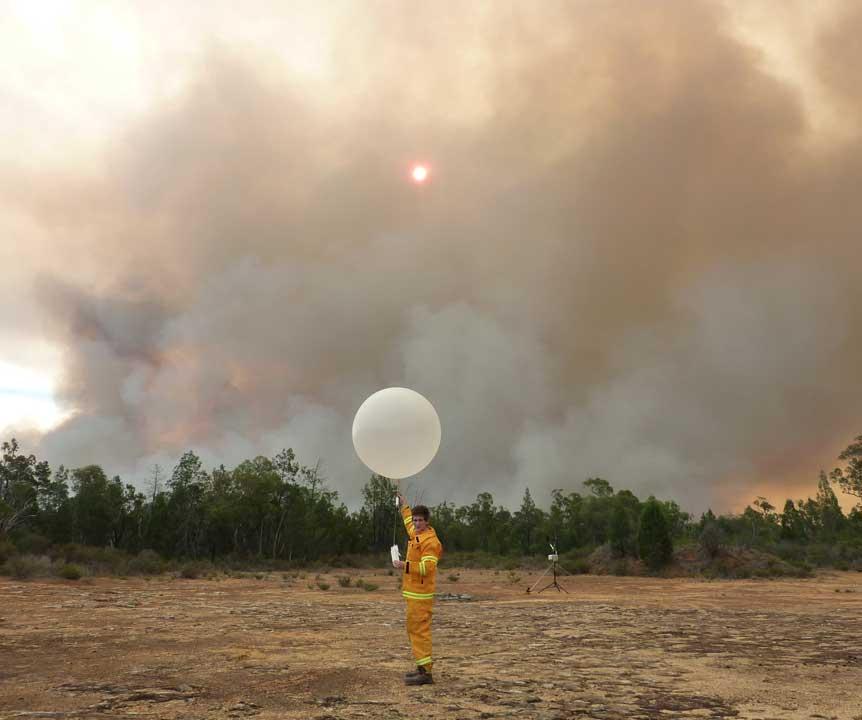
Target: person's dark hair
{"type": "Point", "coordinates": [423, 512]}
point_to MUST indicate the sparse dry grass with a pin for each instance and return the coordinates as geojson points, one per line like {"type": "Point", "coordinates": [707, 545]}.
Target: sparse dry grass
{"type": "Point", "coordinates": [622, 647]}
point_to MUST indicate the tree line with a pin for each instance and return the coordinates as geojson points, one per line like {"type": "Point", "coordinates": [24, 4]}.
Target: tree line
{"type": "Point", "coordinates": [277, 509]}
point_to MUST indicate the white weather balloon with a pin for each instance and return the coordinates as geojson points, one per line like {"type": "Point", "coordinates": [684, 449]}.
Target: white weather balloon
{"type": "Point", "coordinates": [396, 432]}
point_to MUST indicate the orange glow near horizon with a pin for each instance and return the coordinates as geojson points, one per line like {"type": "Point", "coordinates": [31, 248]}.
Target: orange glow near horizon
{"type": "Point", "coordinates": [777, 492]}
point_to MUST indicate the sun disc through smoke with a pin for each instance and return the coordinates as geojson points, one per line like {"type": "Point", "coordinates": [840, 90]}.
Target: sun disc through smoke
{"type": "Point", "coordinates": [419, 173]}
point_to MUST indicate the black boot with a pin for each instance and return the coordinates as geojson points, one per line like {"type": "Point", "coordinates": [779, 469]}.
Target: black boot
{"type": "Point", "coordinates": [420, 677]}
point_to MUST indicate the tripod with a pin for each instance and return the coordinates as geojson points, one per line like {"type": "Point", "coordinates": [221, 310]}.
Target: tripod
{"type": "Point", "coordinates": [555, 567]}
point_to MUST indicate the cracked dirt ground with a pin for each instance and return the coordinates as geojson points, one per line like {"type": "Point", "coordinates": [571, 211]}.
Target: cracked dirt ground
{"type": "Point", "coordinates": [273, 648]}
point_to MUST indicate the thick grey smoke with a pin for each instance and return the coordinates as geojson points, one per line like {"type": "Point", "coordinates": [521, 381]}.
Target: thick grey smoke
{"type": "Point", "coordinates": [633, 261]}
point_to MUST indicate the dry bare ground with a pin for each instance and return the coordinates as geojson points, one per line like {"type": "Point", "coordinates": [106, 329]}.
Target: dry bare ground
{"type": "Point", "coordinates": [273, 648]}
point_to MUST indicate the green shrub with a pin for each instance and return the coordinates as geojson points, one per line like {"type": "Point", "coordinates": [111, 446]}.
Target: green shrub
{"type": "Point", "coordinates": [32, 543]}
{"type": "Point", "coordinates": [789, 551]}
{"type": "Point", "coordinates": [190, 571]}
{"type": "Point", "coordinates": [75, 553]}
{"type": "Point", "coordinates": [804, 569]}
{"type": "Point", "coordinates": [819, 555]}
{"type": "Point", "coordinates": [322, 585]}
{"type": "Point", "coordinates": [70, 571]}
{"type": "Point", "coordinates": [849, 551]}
{"type": "Point", "coordinates": [99, 560]}
{"type": "Point", "coordinates": [654, 544]}
{"type": "Point", "coordinates": [711, 539]}
{"type": "Point", "coordinates": [579, 566]}
{"type": "Point", "coordinates": [454, 577]}
{"type": "Point", "coordinates": [344, 581]}
{"type": "Point", "coordinates": [620, 531]}
{"type": "Point", "coordinates": [575, 561]}
{"type": "Point", "coordinates": [27, 566]}
{"type": "Point", "coordinates": [620, 567]}
{"type": "Point", "coordinates": [368, 587]}
{"type": "Point", "coordinates": [7, 550]}
{"type": "Point", "coordinates": [146, 562]}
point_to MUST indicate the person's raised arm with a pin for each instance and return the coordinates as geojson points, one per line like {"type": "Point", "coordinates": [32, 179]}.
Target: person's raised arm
{"type": "Point", "coordinates": [406, 516]}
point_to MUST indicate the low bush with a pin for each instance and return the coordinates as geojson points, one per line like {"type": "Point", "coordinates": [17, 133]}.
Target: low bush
{"type": "Point", "coordinates": [744, 563]}
{"type": "Point", "coordinates": [711, 539]}
{"type": "Point", "coordinates": [344, 581]}
{"type": "Point", "coordinates": [577, 562]}
{"type": "Point", "coordinates": [819, 555]}
{"type": "Point", "coordinates": [146, 562]}
{"type": "Point", "coordinates": [31, 543]}
{"type": "Point", "coordinates": [98, 560]}
{"type": "Point", "coordinates": [580, 566]}
{"type": "Point", "coordinates": [22, 567]}
{"type": "Point", "coordinates": [193, 570]}
{"type": "Point", "coordinates": [7, 550]}
{"type": "Point", "coordinates": [620, 567]}
{"type": "Point", "coordinates": [70, 571]}
{"type": "Point", "coordinates": [190, 571]}
{"type": "Point", "coordinates": [789, 551]}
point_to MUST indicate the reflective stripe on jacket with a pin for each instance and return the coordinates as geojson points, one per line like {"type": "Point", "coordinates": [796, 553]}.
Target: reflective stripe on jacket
{"type": "Point", "coordinates": [420, 566]}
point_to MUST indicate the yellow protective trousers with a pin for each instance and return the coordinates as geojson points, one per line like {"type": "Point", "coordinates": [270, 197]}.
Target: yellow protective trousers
{"type": "Point", "coordinates": [419, 631]}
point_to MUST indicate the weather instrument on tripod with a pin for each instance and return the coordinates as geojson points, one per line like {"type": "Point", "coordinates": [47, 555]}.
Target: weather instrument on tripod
{"type": "Point", "coordinates": [555, 568]}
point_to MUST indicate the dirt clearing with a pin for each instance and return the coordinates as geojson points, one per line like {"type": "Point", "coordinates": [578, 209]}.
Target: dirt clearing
{"type": "Point", "coordinates": [612, 648]}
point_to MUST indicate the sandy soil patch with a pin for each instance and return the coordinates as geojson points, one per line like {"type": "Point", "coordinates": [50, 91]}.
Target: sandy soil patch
{"type": "Point", "coordinates": [612, 648]}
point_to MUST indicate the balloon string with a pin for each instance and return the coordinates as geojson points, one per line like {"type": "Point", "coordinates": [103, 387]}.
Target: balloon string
{"type": "Point", "coordinates": [397, 513]}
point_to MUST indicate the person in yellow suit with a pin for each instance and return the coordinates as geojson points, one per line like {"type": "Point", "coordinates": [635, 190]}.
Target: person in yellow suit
{"type": "Point", "coordinates": [417, 586]}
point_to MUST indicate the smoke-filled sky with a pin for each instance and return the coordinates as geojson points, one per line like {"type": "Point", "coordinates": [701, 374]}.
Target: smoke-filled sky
{"type": "Point", "coordinates": [637, 255]}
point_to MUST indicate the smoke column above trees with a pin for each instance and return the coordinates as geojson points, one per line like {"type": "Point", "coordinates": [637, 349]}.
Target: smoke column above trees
{"type": "Point", "coordinates": [637, 258]}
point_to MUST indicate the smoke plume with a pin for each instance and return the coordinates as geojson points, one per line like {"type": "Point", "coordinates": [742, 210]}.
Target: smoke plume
{"type": "Point", "coordinates": [637, 257]}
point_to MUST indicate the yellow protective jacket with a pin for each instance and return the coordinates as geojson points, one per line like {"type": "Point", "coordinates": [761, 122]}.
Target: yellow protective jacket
{"type": "Point", "coordinates": [420, 566]}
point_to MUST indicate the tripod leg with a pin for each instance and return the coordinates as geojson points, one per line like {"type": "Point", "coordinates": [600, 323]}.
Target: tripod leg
{"type": "Point", "coordinates": [551, 584]}
{"type": "Point", "coordinates": [530, 589]}
{"type": "Point", "coordinates": [554, 582]}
